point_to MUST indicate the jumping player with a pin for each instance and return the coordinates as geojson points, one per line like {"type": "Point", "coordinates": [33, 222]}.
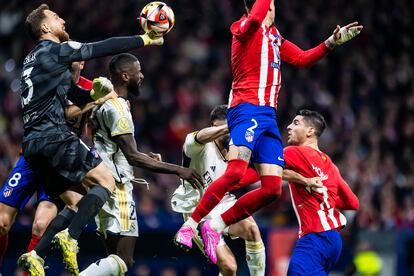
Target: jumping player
{"type": "Point", "coordinates": [319, 245]}
{"type": "Point", "coordinates": [115, 143]}
{"type": "Point", "coordinates": [50, 149]}
{"type": "Point", "coordinates": [205, 151]}
{"type": "Point", "coordinates": [257, 51]}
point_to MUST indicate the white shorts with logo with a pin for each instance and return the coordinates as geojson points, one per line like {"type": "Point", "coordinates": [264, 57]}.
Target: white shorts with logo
{"type": "Point", "coordinates": [226, 203]}
{"type": "Point", "coordinates": [118, 215]}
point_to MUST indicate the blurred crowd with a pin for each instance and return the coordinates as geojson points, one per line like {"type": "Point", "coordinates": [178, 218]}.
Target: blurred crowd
{"type": "Point", "coordinates": [365, 89]}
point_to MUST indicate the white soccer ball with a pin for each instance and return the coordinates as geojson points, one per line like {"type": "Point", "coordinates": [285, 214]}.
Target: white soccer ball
{"type": "Point", "coordinates": [157, 18]}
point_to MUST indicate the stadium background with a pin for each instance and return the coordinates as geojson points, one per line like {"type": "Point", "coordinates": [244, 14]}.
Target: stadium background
{"type": "Point", "coordinates": [364, 88]}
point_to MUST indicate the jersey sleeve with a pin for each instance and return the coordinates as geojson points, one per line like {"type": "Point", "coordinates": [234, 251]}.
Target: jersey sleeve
{"type": "Point", "coordinates": [115, 118]}
{"type": "Point", "coordinates": [292, 54]}
{"type": "Point", "coordinates": [191, 145]}
{"type": "Point", "coordinates": [290, 154]}
{"type": "Point", "coordinates": [75, 51]}
{"type": "Point", "coordinates": [346, 199]}
{"type": "Point", "coordinates": [253, 21]}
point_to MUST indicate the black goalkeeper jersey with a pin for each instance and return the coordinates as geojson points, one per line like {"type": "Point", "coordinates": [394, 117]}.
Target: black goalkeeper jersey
{"type": "Point", "coordinates": [46, 80]}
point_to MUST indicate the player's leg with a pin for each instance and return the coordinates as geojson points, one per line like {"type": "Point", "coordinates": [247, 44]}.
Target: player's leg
{"type": "Point", "coordinates": [237, 166]}
{"type": "Point", "coordinates": [248, 230]}
{"type": "Point", "coordinates": [7, 217]}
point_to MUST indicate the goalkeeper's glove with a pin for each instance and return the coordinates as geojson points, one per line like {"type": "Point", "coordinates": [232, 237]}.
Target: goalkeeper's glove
{"type": "Point", "coordinates": [101, 87]}
{"type": "Point", "coordinates": [152, 40]}
{"type": "Point", "coordinates": [343, 35]}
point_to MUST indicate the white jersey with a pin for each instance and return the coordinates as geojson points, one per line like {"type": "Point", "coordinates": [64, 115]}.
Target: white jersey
{"type": "Point", "coordinates": [118, 215]}
{"type": "Point", "coordinates": [114, 118]}
{"type": "Point", "coordinates": [208, 161]}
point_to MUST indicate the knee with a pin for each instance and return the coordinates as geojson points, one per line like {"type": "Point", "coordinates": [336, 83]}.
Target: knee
{"type": "Point", "coordinates": [228, 267]}
{"type": "Point", "coordinates": [272, 193]}
{"type": "Point", "coordinates": [234, 173]}
{"type": "Point", "coordinates": [39, 226]}
{"type": "Point", "coordinates": [252, 231]}
{"type": "Point", "coordinates": [4, 225]}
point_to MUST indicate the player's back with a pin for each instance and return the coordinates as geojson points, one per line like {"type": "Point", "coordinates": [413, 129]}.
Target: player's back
{"type": "Point", "coordinates": [208, 161]}
{"type": "Point", "coordinates": [44, 84]}
{"type": "Point", "coordinates": [315, 209]}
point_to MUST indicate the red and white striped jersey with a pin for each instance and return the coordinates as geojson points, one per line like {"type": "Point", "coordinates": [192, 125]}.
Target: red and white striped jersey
{"type": "Point", "coordinates": [255, 59]}
{"type": "Point", "coordinates": [256, 54]}
{"type": "Point", "coordinates": [316, 210]}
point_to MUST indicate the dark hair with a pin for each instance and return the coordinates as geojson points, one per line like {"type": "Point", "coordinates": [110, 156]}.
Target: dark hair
{"type": "Point", "coordinates": [315, 119]}
{"type": "Point", "coordinates": [119, 62]}
{"type": "Point", "coordinates": [248, 4]}
{"type": "Point", "coordinates": [218, 113]}
{"type": "Point", "coordinates": [34, 20]}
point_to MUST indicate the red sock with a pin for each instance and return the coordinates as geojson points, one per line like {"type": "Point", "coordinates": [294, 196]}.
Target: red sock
{"type": "Point", "coordinates": [33, 242]}
{"type": "Point", "coordinates": [249, 203]}
{"type": "Point", "coordinates": [249, 178]}
{"type": "Point", "coordinates": [4, 240]}
{"type": "Point", "coordinates": [236, 168]}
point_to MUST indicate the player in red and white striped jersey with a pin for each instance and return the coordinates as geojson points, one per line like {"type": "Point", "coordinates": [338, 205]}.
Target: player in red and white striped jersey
{"type": "Point", "coordinates": [319, 244]}
{"type": "Point", "coordinates": [256, 54]}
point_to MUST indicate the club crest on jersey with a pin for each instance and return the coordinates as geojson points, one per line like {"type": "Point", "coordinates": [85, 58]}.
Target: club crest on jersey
{"type": "Point", "coordinates": [7, 192]}
{"type": "Point", "coordinates": [249, 135]}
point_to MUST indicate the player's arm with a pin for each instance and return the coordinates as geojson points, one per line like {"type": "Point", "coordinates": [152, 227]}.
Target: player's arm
{"type": "Point", "coordinates": [254, 20]}
{"type": "Point", "coordinates": [128, 146]}
{"type": "Point", "coordinates": [74, 51]}
{"type": "Point", "coordinates": [313, 183]}
{"type": "Point", "coordinates": [73, 111]}
{"type": "Point", "coordinates": [291, 53]}
{"type": "Point", "coordinates": [209, 134]}
{"type": "Point", "coordinates": [346, 199]}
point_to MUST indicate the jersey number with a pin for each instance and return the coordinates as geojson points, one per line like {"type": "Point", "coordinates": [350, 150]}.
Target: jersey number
{"type": "Point", "coordinates": [14, 180]}
{"type": "Point", "coordinates": [29, 83]}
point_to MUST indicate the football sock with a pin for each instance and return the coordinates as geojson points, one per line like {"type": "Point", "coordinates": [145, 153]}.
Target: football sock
{"type": "Point", "coordinates": [60, 222]}
{"type": "Point", "coordinates": [217, 224]}
{"type": "Point", "coordinates": [111, 265]}
{"type": "Point", "coordinates": [33, 242]}
{"type": "Point", "coordinates": [4, 240]}
{"type": "Point", "coordinates": [236, 168]}
{"type": "Point", "coordinates": [191, 222]}
{"type": "Point", "coordinates": [252, 201]}
{"type": "Point", "coordinates": [256, 258]}
{"type": "Point", "coordinates": [88, 208]}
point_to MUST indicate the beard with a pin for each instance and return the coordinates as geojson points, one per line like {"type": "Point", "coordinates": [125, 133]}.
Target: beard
{"type": "Point", "coordinates": [133, 90]}
{"type": "Point", "coordinates": [63, 36]}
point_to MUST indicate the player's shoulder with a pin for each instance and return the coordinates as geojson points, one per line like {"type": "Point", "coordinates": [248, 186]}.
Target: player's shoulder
{"type": "Point", "coordinates": [236, 24]}
{"type": "Point", "coordinates": [118, 105]}
{"type": "Point", "coordinates": [292, 149]}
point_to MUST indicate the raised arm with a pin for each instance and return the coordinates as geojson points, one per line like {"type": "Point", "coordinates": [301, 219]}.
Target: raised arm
{"type": "Point", "coordinates": [128, 146]}
{"type": "Point", "coordinates": [254, 19]}
{"type": "Point", "coordinates": [294, 55]}
{"type": "Point", "coordinates": [209, 134]}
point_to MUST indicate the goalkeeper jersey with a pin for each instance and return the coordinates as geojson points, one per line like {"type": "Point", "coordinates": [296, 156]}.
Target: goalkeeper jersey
{"type": "Point", "coordinates": [114, 118]}
{"type": "Point", "coordinates": [208, 161]}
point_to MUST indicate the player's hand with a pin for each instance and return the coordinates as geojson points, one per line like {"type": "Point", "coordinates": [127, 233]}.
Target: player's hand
{"type": "Point", "coordinates": [101, 87]}
{"type": "Point", "coordinates": [192, 177]}
{"type": "Point", "coordinates": [315, 184]}
{"type": "Point", "coordinates": [155, 156]}
{"type": "Point", "coordinates": [152, 40]}
{"type": "Point", "coordinates": [344, 34]}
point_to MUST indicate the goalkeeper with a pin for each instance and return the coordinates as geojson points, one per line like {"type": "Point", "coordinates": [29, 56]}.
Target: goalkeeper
{"type": "Point", "coordinates": [55, 154]}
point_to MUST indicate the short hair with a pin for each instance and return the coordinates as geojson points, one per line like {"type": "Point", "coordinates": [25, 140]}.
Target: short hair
{"type": "Point", "coordinates": [34, 20]}
{"type": "Point", "coordinates": [218, 113]}
{"type": "Point", "coordinates": [119, 62]}
{"type": "Point", "coordinates": [315, 119]}
{"type": "Point", "coordinates": [248, 4]}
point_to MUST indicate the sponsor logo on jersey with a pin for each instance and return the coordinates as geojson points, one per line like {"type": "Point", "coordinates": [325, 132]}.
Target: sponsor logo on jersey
{"type": "Point", "coordinates": [320, 173]}
{"type": "Point", "coordinates": [7, 192]}
{"type": "Point", "coordinates": [123, 124]}
{"type": "Point", "coordinates": [213, 168]}
{"type": "Point", "coordinates": [29, 58]}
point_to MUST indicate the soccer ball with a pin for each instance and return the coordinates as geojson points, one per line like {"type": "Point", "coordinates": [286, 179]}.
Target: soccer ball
{"type": "Point", "coordinates": [157, 18]}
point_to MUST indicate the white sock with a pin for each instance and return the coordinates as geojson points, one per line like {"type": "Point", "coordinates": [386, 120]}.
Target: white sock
{"type": "Point", "coordinates": [191, 222]}
{"type": "Point", "coordinates": [217, 224]}
{"type": "Point", "coordinates": [110, 266]}
{"type": "Point", "coordinates": [256, 258]}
